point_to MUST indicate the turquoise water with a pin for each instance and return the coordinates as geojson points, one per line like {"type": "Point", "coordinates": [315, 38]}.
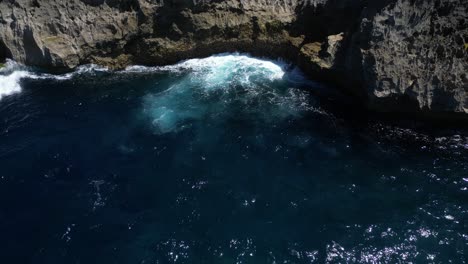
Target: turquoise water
{"type": "Point", "coordinates": [227, 159]}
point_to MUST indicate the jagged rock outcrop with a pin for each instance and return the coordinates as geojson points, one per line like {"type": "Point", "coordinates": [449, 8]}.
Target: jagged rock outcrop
{"type": "Point", "coordinates": [413, 56]}
{"type": "Point", "coordinates": [395, 55]}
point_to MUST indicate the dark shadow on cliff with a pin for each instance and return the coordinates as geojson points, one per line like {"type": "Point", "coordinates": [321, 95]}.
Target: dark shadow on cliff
{"type": "Point", "coordinates": [122, 5]}
{"type": "Point", "coordinates": [4, 51]}
{"type": "Point", "coordinates": [333, 17]}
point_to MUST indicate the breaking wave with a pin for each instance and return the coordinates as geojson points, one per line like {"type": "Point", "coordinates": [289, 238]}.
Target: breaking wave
{"type": "Point", "coordinates": [221, 87]}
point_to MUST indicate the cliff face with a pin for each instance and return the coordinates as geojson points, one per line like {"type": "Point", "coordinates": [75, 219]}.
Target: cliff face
{"type": "Point", "coordinates": [414, 53]}
{"type": "Point", "coordinates": [396, 55]}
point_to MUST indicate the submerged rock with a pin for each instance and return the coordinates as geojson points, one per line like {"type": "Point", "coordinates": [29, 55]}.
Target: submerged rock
{"type": "Point", "coordinates": [395, 55]}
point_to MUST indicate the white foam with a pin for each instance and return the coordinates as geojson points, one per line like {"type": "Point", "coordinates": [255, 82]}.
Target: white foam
{"type": "Point", "coordinates": [223, 68]}
{"type": "Point", "coordinates": [230, 62]}
{"type": "Point", "coordinates": [217, 67]}
{"type": "Point", "coordinates": [140, 69]}
{"type": "Point", "coordinates": [10, 84]}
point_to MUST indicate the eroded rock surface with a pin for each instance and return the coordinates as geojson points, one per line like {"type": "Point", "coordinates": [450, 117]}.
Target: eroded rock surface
{"type": "Point", "coordinates": [395, 55]}
{"type": "Point", "coordinates": [414, 54]}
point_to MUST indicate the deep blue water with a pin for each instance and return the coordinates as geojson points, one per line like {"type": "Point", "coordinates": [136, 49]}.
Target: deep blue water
{"type": "Point", "coordinates": [221, 160]}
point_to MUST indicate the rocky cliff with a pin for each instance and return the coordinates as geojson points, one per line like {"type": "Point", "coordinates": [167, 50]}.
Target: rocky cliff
{"type": "Point", "coordinates": [395, 55]}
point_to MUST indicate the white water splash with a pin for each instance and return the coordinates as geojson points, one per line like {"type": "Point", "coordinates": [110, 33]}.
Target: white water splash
{"type": "Point", "coordinates": [218, 64]}
{"type": "Point", "coordinates": [221, 68]}
{"type": "Point", "coordinates": [10, 77]}
{"type": "Point", "coordinates": [10, 84]}
{"type": "Point", "coordinates": [220, 87]}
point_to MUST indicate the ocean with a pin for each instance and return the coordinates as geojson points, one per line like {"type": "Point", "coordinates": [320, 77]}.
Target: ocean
{"type": "Point", "coordinates": [225, 159]}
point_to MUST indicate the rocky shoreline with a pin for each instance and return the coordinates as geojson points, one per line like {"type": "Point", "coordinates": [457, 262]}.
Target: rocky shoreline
{"type": "Point", "coordinates": [402, 56]}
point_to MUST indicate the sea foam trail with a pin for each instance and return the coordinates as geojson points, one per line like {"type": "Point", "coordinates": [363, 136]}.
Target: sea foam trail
{"type": "Point", "coordinates": [13, 72]}
{"type": "Point", "coordinates": [215, 70]}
